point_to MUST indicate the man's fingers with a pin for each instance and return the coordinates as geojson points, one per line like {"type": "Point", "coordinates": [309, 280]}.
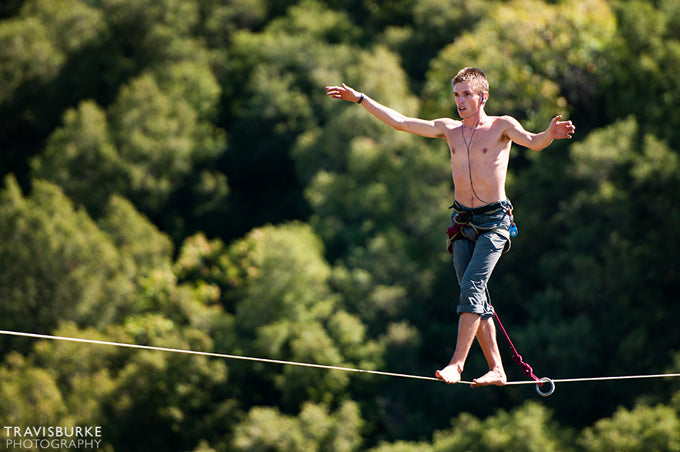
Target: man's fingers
{"type": "Point", "coordinates": [334, 91]}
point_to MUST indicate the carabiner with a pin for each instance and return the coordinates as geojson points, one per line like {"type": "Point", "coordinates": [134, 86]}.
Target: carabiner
{"type": "Point", "coordinates": [542, 381]}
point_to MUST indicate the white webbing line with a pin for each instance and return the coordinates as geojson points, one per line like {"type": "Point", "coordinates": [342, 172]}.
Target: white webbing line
{"type": "Point", "coordinates": [318, 366]}
{"type": "Point", "coordinates": [214, 355]}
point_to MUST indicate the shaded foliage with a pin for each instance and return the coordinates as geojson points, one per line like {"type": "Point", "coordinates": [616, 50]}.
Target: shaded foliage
{"type": "Point", "coordinates": [174, 175]}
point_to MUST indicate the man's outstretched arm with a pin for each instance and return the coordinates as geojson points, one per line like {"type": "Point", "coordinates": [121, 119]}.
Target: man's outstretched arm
{"type": "Point", "coordinates": [538, 141]}
{"type": "Point", "coordinates": [432, 129]}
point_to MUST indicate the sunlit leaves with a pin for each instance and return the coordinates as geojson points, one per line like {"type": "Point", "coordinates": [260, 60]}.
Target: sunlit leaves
{"type": "Point", "coordinates": [640, 429]}
{"type": "Point", "coordinates": [283, 301]}
{"type": "Point", "coordinates": [126, 106]}
{"type": "Point", "coordinates": [314, 429]}
{"type": "Point", "coordinates": [26, 56]}
{"type": "Point", "coordinates": [30, 394]}
{"type": "Point", "coordinates": [146, 147]}
{"type": "Point", "coordinates": [82, 159]}
{"type": "Point", "coordinates": [57, 264]}
{"type": "Point", "coordinates": [71, 23]}
{"type": "Point", "coordinates": [528, 428]}
{"type": "Point", "coordinates": [535, 61]}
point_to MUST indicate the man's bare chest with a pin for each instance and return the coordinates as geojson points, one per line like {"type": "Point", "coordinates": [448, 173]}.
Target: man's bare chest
{"type": "Point", "coordinates": [477, 145]}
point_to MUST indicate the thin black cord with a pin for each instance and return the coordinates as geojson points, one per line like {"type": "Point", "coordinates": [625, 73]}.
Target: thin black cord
{"type": "Point", "coordinates": [467, 145]}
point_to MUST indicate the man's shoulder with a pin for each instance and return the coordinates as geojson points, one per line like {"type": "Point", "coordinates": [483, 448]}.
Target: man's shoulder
{"type": "Point", "coordinates": [504, 120]}
{"type": "Point", "coordinates": [447, 123]}
{"type": "Point", "coordinates": [502, 124]}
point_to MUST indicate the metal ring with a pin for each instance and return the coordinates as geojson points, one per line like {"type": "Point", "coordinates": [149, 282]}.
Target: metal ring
{"type": "Point", "coordinates": [543, 381]}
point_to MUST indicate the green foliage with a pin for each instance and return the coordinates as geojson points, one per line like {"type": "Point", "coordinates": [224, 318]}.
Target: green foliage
{"type": "Point", "coordinates": [130, 394]}
{"type": "Point", "coordinates": [640, 63]}
{"type": "Point", "coordinates": [155, 31]}
{"type": "Point", "coordinates": [546, 58]}
{"type": "Point", "coordinates": [431, 26]}
{"type": "Point", "coordinates": [224, 18]}
{"type": "Point", "coordinates": [158, 138]}
{"type": "Point", "coordinates": [174, 175]}
{"type": "Point", "coordinates": [57, 264]}
{"type": "Point", "coordinates": [275, 80]}
{"type": "Point", "coordinates": [30, 394]}
{"type": "Point", "coordinates": [27, 57]}
{"type": "Point", "coordinates": [80, 157]}
{"type": "Point", "coordinates": [528, 428]}
{"type": "Point", "coordinates": [134, 236]}
{"type": "Point", "coordinates": [71, 24]}
{"type": "Point", "coordinates": [284, 309]}
{"type": "Point", "coordinates": [156, 135]}
{"type": "Point", "coordinates": [641, 429]}
{"type": "Point", "coordinates": [167, 392]}
{"type": "Point", "coordinates": [314, 429]}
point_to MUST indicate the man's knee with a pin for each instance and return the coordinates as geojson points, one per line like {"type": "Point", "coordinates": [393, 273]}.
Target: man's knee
{"type": "Point", "coordinates": [472, 292]}
{"type": "Point", "coordinates": [473, 299]}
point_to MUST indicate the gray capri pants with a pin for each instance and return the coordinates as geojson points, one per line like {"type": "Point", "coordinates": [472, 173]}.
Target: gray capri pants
{"type": "Point", "coordinates": [476, 253]}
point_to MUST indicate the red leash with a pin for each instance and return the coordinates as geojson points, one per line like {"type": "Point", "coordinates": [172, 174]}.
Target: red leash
{"type": "Point", "coordinates": [516, 357]}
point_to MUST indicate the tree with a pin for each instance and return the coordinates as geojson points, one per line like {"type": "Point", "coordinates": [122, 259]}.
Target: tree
{"type": "Point", "coordinates": [432, 25]}
{"type": "Point", "coordinates": [150, 32]}
{"type": "Point", "coordinates": [168, 400]}
{"type": "Point", "coordinates": [284, 309]}
{"type": "Point", "coordinates": [639, 64]}
{"type": "Point", "coordinates": [538, 65]}
{"type": "Point", "coordinates": [274, 86]}
{"type": "Point", "coordinates": [80, 157]}
{"type": "Point", "coordinates": [134, 236]}
{"type": "Point", "coordinates": [30, 395]}
{"type": "Point", "coordinates": [71, 24]}
{"type": "Point", "coordinates": [158, 138]}
{"type": "Point", "coordinates": [527, 428]}
{"type": "Point", "coordinates": [221, 19]}
{"type": "Point", "coordinates": [156, 135]}
{"type": "Point", "coordinates": [640, 429]}
{"type": "Point", "coordinates": [601, 271]}
{"type": "Point", "coordinates": [28, 58]}
{"type": "Point", "coordinates": [140, 399]}
{"type": "Point", "coordinates": [316, 234]}
{"type": "Point", "coordinates": [57, 265]}
{"type": "Point", "coordinates": [43, 49]}
{"type": "Point", "coordinates": [314, 429]}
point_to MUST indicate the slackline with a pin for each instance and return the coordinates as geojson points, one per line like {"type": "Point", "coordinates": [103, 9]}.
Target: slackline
{"type": "Point", "coordinates": [539, 383]}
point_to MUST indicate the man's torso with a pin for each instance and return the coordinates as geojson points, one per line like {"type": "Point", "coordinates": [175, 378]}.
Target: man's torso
{"type": "Point", "coordinates": [479, 161]}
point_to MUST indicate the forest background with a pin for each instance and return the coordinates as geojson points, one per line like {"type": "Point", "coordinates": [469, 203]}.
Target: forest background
{"type": "Point", "coordinates": [174, 175]}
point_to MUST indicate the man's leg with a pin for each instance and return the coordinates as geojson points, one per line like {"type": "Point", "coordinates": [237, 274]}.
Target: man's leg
{"type": "Point", "coordinates": [474, 263]}
{"type": "Point", "coordinates": [468, 326]}
{"type": "Point", "coordinates": [486, 335]}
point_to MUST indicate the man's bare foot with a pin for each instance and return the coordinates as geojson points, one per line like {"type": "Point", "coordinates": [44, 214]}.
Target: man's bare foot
{"type": "Point", "coordinates": [450, 374]}
{"type": "Point", "coordinates": [492, 377]}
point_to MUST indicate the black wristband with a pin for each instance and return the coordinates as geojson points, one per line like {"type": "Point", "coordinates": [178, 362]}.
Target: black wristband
{"type": "Point", "coordinates": [361, 99]}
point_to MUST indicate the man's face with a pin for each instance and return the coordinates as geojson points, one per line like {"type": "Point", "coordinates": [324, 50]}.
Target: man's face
{"type": "Point", "coordinates": [468, 99]}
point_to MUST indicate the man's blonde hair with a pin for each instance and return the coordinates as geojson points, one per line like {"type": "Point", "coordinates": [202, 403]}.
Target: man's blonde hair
{"type": "Point", "coordinates": [474, 75]}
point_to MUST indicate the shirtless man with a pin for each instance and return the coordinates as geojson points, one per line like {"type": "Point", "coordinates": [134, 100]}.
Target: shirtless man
{"type": "Point", "coordinates": [480, 152]}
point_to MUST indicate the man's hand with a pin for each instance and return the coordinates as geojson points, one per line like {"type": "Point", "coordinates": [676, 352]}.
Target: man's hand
{"type": "Point", "coordinates": [343, 92]}
{"type": "Point", "coordinates": [560, 129]}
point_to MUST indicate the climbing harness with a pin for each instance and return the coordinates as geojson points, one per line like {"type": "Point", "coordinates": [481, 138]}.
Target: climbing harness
{"type": "Point", "coordinates": [464, 228]}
